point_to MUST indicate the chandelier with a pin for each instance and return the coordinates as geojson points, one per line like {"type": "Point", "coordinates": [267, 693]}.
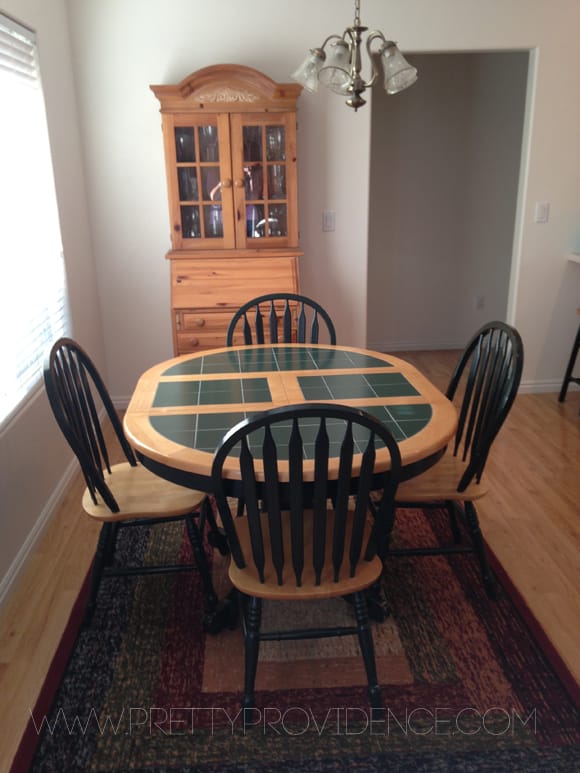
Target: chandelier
{"type": "Point", "coordinates": [337, 64]}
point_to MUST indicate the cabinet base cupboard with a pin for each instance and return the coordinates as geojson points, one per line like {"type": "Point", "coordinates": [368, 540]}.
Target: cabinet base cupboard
{"type": "Point", "coordinates": [230, 156]}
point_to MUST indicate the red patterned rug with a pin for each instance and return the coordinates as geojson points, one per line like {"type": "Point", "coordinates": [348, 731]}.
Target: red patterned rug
{"type": "Point", "coordinates": [466, 686]}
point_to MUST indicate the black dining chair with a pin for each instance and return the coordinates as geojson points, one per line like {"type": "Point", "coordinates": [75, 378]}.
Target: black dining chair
{"type": "Point", "coordinates": [484, 384]}
{"type": "Point", "coordinates": [568, 377]}
{"type": "Point", "coordinates": [125, 494]}
{"type": "Point", "coordinates": [281, 318]}
{"type": "Point", "coordinates": [314, 537]}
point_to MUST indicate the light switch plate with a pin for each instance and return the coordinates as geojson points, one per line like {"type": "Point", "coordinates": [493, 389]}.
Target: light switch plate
{"type": "Point", "coordinates": [542, 212]}
{"type": "Point", "coordinates": [328, 220]}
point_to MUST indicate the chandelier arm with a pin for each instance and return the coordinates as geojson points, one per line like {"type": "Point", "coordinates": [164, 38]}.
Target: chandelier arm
{"type": "Point", "coordinates": [372, 36]}
{"type": "Point", "coordinates": [332, 37]}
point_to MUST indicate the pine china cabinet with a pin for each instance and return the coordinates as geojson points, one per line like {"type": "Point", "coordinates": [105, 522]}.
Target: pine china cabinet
{"type": "Point", "coordinates": [230, 155]}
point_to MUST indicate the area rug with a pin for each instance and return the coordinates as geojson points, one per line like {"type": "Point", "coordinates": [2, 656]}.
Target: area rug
{"type": "Point", "coordinates": [466, 686]}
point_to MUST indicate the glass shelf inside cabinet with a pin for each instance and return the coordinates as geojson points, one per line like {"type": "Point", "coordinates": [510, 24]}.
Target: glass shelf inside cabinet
{"type": "Point", "coordinates": [198, 181]}
{"type": "Point", "coordinates": [264, 158]}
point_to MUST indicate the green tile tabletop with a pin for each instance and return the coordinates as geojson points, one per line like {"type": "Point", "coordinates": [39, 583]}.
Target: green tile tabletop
{"type": "Point", "coordinates": [181, 408]}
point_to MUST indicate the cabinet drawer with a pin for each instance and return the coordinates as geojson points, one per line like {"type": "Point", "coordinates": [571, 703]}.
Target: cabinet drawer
{"type": "Point", "coordinates": [202, 322]}
{"type": "Point", "coordinates": [218, 283]}
{"type": "Point", "coordinates": [192, 342]}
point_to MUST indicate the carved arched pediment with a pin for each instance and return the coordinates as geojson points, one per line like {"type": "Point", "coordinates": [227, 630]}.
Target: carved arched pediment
{"type": "Point", "coordinates": [226, 85]}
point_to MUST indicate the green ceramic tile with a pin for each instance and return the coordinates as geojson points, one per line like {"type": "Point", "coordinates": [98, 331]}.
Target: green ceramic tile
{"type": "Point", "coordinates": [220, 392]}
{"type": "Point", "coordinates": [367, 361]}
{"type": "Point", "coordinates": [185, 368]}
{"type": "Point", "coordinates": [176, 393]}
{"type": "Point", "coordinates": [221, 421]}
{"type": "Point", "coordinates": [223, 362]}
{"type": "Point", "coordinates": [411, 412]}
{"type": "Point", "coordinates": [180, 429]}
{"type": "Point", "coordinates": [257, 359]}
{"type": "Point", "coordinates": [209, 440]}
{"type": "Point", "coordinates": [388, 378]}
{"type": "Point", "coordinates": [294, 359]}
{"type": "Point", "coordinates": [256, 390]}
{"type": "Point", "coordinates": [352, 386]}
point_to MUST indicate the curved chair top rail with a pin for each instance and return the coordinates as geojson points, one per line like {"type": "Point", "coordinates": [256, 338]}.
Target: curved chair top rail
{"type": "Point", "coordinates": [306, 307]}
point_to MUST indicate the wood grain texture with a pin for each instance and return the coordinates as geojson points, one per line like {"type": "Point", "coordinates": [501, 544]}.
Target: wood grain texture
{"type": "Point", "coordinates": [529, 518]}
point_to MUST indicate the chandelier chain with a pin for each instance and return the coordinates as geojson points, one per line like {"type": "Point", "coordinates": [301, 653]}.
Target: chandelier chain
{"type": "Point", "coordinates": [357, 13]}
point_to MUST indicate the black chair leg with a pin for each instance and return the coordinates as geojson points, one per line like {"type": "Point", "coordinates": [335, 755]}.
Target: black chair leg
{"type": "Point", "coordinates": [253, 619]}
{"type": "Point", "coordinates": [201, 562]}
{"type": "Point", "coordinates": [103, 553]}
{"type": "Point", "coordinates": [367, 647]}
{"type": "Point", "coordinates": [479, 547]}
{"type": "Point", "coordinates": [216, 538]}
{"type": "Point", "coordinates": [452, 510]}
{"type": "Point", "coordinates": [571, 362]}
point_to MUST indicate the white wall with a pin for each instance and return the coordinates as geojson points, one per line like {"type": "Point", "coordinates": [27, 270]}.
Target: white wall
{"type": "Point", "coordinates": [33, 456]}
{"type": "Point", "coordinates": [122, 46]}
{"type": "Point", "coordinates": [445, 159]}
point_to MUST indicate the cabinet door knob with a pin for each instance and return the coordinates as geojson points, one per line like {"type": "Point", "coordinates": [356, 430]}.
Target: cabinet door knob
{"type": "Point", "coordinates": [227, 183]}
{"type": "Point", "coordinates": [194, 341]}
{"type": "Point", "coordinates": [200, 322]}
{"type": "Point", "coordinates": [239, 183]}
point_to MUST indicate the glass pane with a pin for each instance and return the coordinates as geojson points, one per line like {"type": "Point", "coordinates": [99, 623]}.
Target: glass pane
{"type": "Point", "coordinates": [278, 222]}
{"type": "Point", "coordinates": [255, 223]}
{"type": "Point", "coordinates": [212, 220]}
{"type": "Point", "coordinates": [252, 143]}
{"type": "Point", "coordinates": [190, 227]}
{"type": "Point", "coordinates": [254, 180]}
{"type": "Point", "coordinates": [187, 178]}
{"type": "Point", "coordinates": [208, 143]}
{"type": "Point", "coordinates": [211, 188]}
{"type": "Point", "coordinates": [276, 143]}
{"type": "Point", "coordinates": [184, 144]}
{"type": "Point", "coordinates": [277, 181]}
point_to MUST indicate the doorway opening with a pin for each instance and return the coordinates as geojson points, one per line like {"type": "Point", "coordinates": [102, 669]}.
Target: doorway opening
{"type": "Point", "coordinates": [445, 173]}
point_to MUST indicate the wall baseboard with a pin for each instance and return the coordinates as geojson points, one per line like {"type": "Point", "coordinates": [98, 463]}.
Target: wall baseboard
{"type": "Point", "coordinates": [31, 541]}
{"type": "Point", "coordinates": [536, 387]}
{"type": "Point", "coordinates": [526, 387]}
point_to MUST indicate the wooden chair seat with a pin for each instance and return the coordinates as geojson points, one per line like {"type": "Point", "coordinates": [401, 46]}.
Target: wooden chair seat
{"type": "Point", "coordinates": [141, 494]}
{"type": "Point", "coordinates": [247, 580]}
{"type": "Point", "coordinates": [440, 483]}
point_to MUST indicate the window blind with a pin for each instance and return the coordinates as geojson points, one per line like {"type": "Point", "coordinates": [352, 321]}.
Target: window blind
{"type": "Point", "coordinates": [33, 299]}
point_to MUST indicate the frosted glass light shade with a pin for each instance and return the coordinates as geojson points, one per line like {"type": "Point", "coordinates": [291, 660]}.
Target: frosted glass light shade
{"type": "Point", "coordinates": [399, 74]}
{"type": "Point", "coordinates": [335, 72]}
{"type": "Point", "coordinates": [307, 73]}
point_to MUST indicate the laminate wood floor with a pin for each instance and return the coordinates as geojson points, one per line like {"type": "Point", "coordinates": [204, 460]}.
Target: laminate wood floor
{"type": "Point", "coordinates": [530, 518]}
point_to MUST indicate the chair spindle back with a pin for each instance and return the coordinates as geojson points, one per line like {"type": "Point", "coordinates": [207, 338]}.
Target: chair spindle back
{"type": "Point", "coordinates": [272, 448]}
{"type": "Point", "coordinates": [73, 386]}
{"type": "Point", "coordinates": [264, 322]}
{"type": "Point", "coordinates": [489, 372]}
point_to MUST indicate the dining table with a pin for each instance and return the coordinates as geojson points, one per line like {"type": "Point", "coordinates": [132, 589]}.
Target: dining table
{"type": "Point", "coordinates": [181, 409]}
